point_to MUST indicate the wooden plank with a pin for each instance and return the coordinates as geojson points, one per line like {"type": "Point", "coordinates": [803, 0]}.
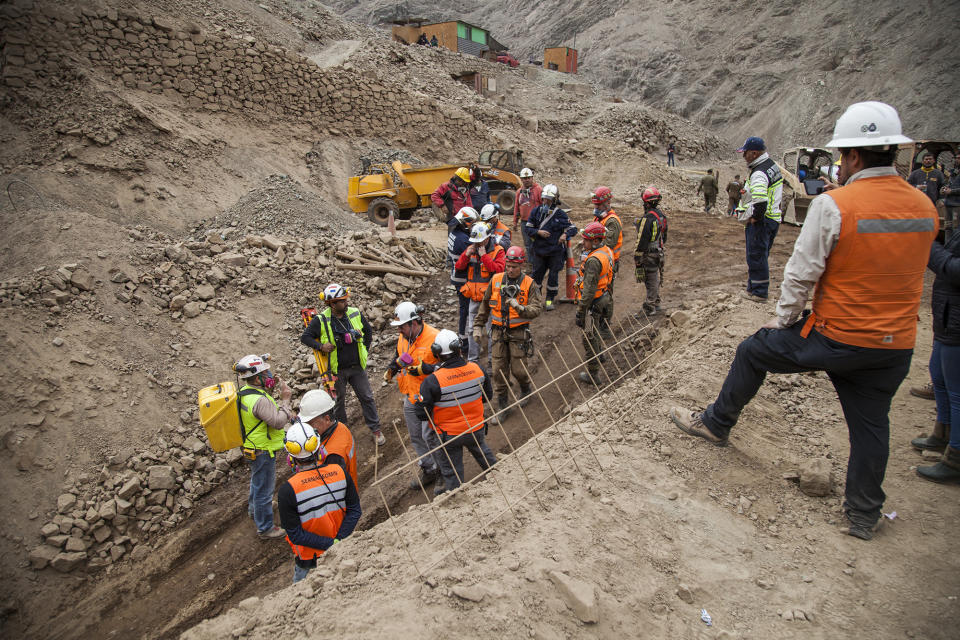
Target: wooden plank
{"type": "Point", "coordinates": [382, 268]}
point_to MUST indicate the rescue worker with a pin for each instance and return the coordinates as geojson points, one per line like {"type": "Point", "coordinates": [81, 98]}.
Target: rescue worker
{"type": "Point", "coordinates": [928, 178]}
{"type": "Point", "coordinates": [604, 214]}
{"type": "Point", "coordinates": [490, 214]}
{"type": "Point", "coordinates": [452, 396]}
{"type": "Point", "coordinates": [951, 201]}
{"type": "Point", "coordinates": [860, 257]}
{"type": "Point", "coordinates": [528, 199]}
{"type": "Point", "coordinates": [483, 258]}
{"type": "Point", "coordinates": [593, 296]}
{"type": "Point", "coordinates": [671, 149]}
{"type": "Point", "coordinates": [262, 424]}
{"type": "Point", "coordinates": [763, 215]}
{"type": "Point", "coordinates": [454, 194]}
{"type": "Point", "coordinates": [648, 257]}
{"type": "Point", "coordinates": [413, 361]}
{"type": "Point", "coordinates": [458, 239]}
{"type": "Point", "coordinates": [319, 504]}
{"type": "Point", "coordinates": [479, 189]}
{"type": "Point", "coordinates": [733, 194]}
{"type": "Point", "coordinates": [318, 410]}
{"type": "Point", "coordinates": [510, 302]}
{"type": "Point", "coordinates": [343, 333]}
{"type": "Point", "coordinates": [709, 187]}
{"type": "Point", "coordinates": [549, 229]}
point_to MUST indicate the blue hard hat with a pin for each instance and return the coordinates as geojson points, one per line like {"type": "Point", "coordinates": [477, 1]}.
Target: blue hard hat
{"type": "Point", "coordinates": [753, 143]}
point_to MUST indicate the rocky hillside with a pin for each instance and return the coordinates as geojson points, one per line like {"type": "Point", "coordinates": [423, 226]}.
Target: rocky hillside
{"type": "Point", "coordinates": [782, 70]}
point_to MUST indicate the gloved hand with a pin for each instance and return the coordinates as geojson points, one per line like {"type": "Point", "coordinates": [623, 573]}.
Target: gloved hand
{"type": "Point", "coordinates": [641, 273]}
{"type": "Point", "coordinates": [388, 375]}
{"type": "Point", "coordinates": [420, 412]}
{"type": "Point", "coordinates": [513, 302]}
{"type": "Point", "coordinates": [581, 319]}
{"type": "Point", "coordinates": [477, 333]}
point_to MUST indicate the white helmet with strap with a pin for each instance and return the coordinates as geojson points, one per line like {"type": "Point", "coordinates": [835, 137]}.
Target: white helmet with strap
{"type": "Point", "coordinates": [868, 124]}
{"type": "Point", "coordinates": [301, 441]}
{"type": "Point", "coordinates": [446, 343]}
{"type": "Point", "coordinates": [249, 366]}
{"type": "Point", "coordinates": [526, 172]}
{"type": "Point", "coordinates": [405, 312]}
{"type": "Point", "coordinates": [550, 191]}
{"type": "Point", "coordinates": [489, 212]}
{"type": "Point", "coordinates": [315, 402]}
{"type": "Point", "coordinates": [479, 233]}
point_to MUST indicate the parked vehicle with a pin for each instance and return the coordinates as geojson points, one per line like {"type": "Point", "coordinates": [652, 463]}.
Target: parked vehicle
{"type": "Point", "coordinates": [506, 58]}
{"type": "Point", "coordinates": [804, 171]}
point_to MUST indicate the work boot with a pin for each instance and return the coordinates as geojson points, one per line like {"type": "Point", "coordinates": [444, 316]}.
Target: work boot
{"type": "Point", "coordinates": [549, 306]}
{"type": "Point", "coordinates": [925, 391]}
{"type": "Point", "coordinates": [862, 531]}
{"type": "Point", "coordinates": [937, 441]}
{"type": "Point", "coordinates": [648, 308]}
{"type": "Point", "coordinates": [271, 533]}
{"type": "Point", "coordinates": [947, 470]}
{"type": "Point", "coordinates": [525, 391]}
{"type": "Point", "coordinates": [439, 490]}
{"type": "Point", "coordinates": [427, 478]}
{"type": "Point", "coordinates": [692, 423]}
{"type": "Point", "coordinates": [746, 295]}
{"type": "Point", "coordinates": [502, 401]}
{"type": "Point", "coordinates": [379, 438]}
{"type": "Point", "coordinates": [588, 378]}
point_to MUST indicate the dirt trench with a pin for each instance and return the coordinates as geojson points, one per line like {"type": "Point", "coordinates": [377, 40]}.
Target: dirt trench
{"type": "Point", "coordinates": [216, 560]}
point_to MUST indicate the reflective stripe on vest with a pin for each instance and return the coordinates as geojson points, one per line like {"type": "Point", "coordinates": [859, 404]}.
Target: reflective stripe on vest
{"type": "Point", "coordinates": [496, 301]}
{"type": "Point", "coordinates": [616, 248]}
{"type": "Point", "coordinates": [477, 275]}
{"type": "Point", "coordinates": [460, 408]}
{"type": "Point", "coordinates": [500, 231]}
{"type": "Point", "coordinates": [408, 383]}
{"type": "Point", "coordinates": [773, 194]}
{"type": "Point", "coordinates": [326, 335]}
{"type": "Point", "coordinates": [321, 504]}
{"type": "Point", "coordinates": [605, 256]}
{"type": "Point", "coordinates": [869, 293]}
{"type": "Point", "coordinates": [259, 435]}
{"type": "Point", "coordinates": [341, 443]}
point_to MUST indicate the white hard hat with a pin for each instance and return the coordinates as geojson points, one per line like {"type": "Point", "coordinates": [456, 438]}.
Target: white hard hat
{"type": "Point", "coordinates": [526, 173]}
{"type": "Point", "coordinates": [301, 441]}
{"type": "Point", "coordinates": [467, 216]}
{"type": "Point", "coordinates": [445, 343]}
{"type": "Point", "coordinates": [868, 124]}
{"type": "Point", "coordinates": [479, 233]}
{"type": "Point", "coordinates": [404, 313]}
{"type": "Point", "coordinates": [489, 212]}
{"type": "Point", "coordinates": [249, 366]}
{"type": "Point", "coordinates": [335, 291]}
{"type": "Point", "coordinates": [315, 403]}
{"type": "Point", "coordinates": [550, 191]}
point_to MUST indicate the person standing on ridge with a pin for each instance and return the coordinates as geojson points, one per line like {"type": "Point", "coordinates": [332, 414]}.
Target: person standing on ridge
{"type": "Point", "coordinates": [648, 257]}
{"type": "Point", "coordinates": [762, 215]}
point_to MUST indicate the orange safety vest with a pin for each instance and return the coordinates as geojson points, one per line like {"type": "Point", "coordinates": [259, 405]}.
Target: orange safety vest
{"type": "Point", "coordinates": [616, 249]}
{"type": "Point", "coordinates": [477, 275]}
{"type": "Point", "coordinates": [321, 495]}
{"type": "Point", "coordinates": [869, 293]}
{"type": "Point", "coordinates": [496, 302]}
{"type": "Point", "coordinates": [460, 407]}
{"type": "Point", "coordinates": [605, 255]}
{"type": "Point", "coordinates": [499, 231]}
{"type": "Point", "coordinates": [408, 383]}
{"type": "Point", "coordinates": [341, 443]}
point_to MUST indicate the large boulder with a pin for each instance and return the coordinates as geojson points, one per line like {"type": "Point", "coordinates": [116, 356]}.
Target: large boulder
{"type": "Point", "coordinates": [42, 556]}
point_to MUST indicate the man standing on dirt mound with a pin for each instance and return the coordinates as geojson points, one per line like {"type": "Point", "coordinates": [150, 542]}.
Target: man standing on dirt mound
{"type": "Point", "coordinates": [510, 301]}
{"type": "Point", "coordinates": [345, 336]}
{"type": "Point", "coordinates": [594, 296]}
{"type": "Point", "coordinates": [762, 213]}
{"type": "Point", "coordinates": [548, 230]}
{"type": "Point", "coordinates": [262, 421]}
{"type": "Point", "coordinates": [861, 253]}
{"type": "Point", "coordinates": [319, 505]}
{"type": "Point", "coordinates": [413, 362]}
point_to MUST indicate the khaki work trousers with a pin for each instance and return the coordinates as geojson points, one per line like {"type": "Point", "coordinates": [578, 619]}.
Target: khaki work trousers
{"type": "Point", "coordinates": [598, 335]}
{"type": "Point", "coordinates": [508, 357]}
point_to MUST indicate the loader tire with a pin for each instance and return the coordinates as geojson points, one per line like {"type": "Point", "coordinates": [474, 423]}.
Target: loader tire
{"type": "Point", "coordinates": [506, 199]}
{"type": "Point", "coordinates": [380, 209]}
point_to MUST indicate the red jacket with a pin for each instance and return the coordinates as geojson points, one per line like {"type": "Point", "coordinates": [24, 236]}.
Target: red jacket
{"type": "Point", "coordinates": [527, 201]}
{"type": "Point", "coordinates": [493, 261]}
{"type": "Point", "coordinates": [448, 197]}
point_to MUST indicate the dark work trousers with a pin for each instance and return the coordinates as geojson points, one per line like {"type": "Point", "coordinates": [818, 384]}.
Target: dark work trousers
{"type": "Point", "coordinates": [526, 243]}
{"type": "Point", "coordinates": [464, 314]}
{"type": "Point", "coordinates": [475, 443]}
{"type": "Point", "coordinates": [550, 265]}
{"type": "Point", "coordinates": [356, 378]}
{"type": "Point", "coordinates": [759, 241]}
{"type": "Point", "coordinates": [865, 380]}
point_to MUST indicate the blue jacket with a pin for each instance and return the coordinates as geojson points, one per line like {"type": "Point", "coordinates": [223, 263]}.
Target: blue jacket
{"type": "Point", "coordinates": [559, 225]}
{"type": "Point", "coordinates": [480, 195]}
{"type": "Point", "coordinates": [457, 242]}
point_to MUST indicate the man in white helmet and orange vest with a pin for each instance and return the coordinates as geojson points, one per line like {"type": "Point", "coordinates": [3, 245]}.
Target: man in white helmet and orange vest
{"type": "Point", "coordinates": [482, 259]}
{"type": "Point", "coordinates": [319, 410]}
{"type": "Point", "coordinates": [860, 258]}
{"type": "Point", "coordinates": [414, 360]}
{"type": "Point", "coordinates": [594, 297]}
{"type": "Point", "coordinates": [453, 398]}
{"type": "Point", "coordinates": [490, 215]}
{"type": "Point", "coordinates": [319, 505]}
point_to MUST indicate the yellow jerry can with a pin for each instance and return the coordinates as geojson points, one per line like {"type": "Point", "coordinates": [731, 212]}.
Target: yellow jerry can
{"type": "Point", "coordinates": [220, 415]}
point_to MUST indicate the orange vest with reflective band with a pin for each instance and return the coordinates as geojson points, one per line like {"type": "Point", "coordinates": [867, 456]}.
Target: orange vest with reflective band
{"type": "Point", "coordinates": [408, 383]}
{"type": "Point", "coordinates": [341, 443]}
{"type": "Point", "coordinates": [605, 256]}
{"type": "Point", "coordinates": [499, 231]}
{"type": "Point", "coordinates": [616, 247]}
{"type": "Point", "coordinates": [869, 294]}
{"type": "Point", "coordinates": [477, 275]}
{"type": "Point", "coordinates": [321, 503]}
{"type": "Point", "coordinates": [460, 407]}
{"type": "Point", "coordinates": [496, 301]}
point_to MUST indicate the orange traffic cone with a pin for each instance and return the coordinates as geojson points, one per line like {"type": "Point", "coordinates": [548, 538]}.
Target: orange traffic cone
{"type": "Point", "coordinates": [570, 295]}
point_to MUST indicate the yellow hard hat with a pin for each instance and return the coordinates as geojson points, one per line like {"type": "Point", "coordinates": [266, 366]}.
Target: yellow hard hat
{"type": "Point", "coordinates": [463, 173]}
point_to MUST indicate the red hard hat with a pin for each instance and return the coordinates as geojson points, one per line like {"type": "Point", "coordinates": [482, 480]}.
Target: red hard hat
{"type": "Point", "coordinates": [601, 195]}
{"type": "Point", "coordinates": [594, 231]}
{"type": "Point", "coordinates": [516, 254]}
{"type": "Point", "coordinates": [651, 194]}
